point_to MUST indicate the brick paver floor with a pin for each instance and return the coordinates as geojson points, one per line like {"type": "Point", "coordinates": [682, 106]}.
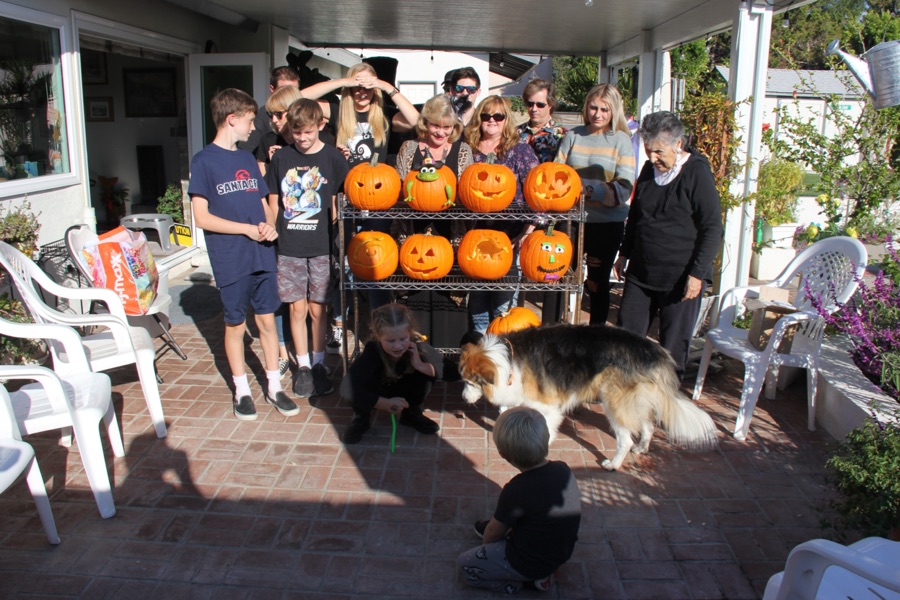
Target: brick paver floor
{"type": "Point", "coordinates": [279, 508]}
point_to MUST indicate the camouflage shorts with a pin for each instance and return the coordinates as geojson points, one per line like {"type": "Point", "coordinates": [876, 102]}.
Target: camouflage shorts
{"type": "Point", "coordinates": [304, 278]}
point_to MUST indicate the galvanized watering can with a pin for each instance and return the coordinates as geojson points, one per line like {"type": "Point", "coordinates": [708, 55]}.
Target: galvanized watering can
{"type": "Point", "coordinates": [879, 73]}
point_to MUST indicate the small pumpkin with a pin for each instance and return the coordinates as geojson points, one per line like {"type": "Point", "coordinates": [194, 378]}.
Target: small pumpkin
{"type": "Point", "coordinates": [372, 255]}
{"type": "Point", "coordinates": [546, 255]}
{"type": "Point", "coordinates": [552, 187]}
{"type": "Point", "coordinates": [487, 187]}
{"type": "Point", "coordinates": [485, 254]}
{"type": "Point", "coordinates": [372, 185]}
{"type": "Point", "coordinates": [430, 189]}
{"type": "Point", "coordinates": [517, 318]}
{"type": "Point", "coordinates": [424, 256]}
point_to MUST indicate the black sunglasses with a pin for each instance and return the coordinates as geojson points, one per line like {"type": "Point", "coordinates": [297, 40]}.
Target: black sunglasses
{"type": "Point", "coordinates": [499, 117]}
{"type": "Point", "coordinates": [277, 114]}
{"type": "Point", "coordinates": [530, 104]}
{"type": "Point", "coordinates": [467, 88]}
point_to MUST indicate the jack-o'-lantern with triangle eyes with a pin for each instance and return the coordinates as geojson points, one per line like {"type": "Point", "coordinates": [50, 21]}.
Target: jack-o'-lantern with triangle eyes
{"type": "Point", "coordinates": [487, 187]}
{"type": "Point", "coordinates": [372, 255]}
{"type": "Point", "coordinates": [430, 189]}
{"type": "Point", "coordinates": [552, 187]}
{"type": "Point", "coordinates": [546, 255]}
{"type": "Point", "coordinates": [372, 185]}
{"type": "Point", "coordinates": [424, 256]}
{"type": "Point", "coordinates": [485, 254]}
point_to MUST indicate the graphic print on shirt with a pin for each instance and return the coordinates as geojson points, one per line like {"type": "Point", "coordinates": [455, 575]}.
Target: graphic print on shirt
{"type": "Point", "coordinates": [360, 151]}
{"type": "Point", "coordinates": [302, 201]}
{"type": "Point", "coordinates": [242, 181]}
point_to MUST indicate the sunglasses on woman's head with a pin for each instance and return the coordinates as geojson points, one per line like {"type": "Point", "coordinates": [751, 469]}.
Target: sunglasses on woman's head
{"type": "Point", "coordinates": [277, 114]}
{"type": "Point", "coordinates": [499, 117]}
{"type": "Point", "coordinates": [471, 89]}
{"type": "Point", "coordinates": [530, 104]}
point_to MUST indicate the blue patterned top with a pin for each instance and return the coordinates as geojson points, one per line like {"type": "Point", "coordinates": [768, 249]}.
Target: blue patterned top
{"type": "Point", "coordinates": [544, 140]}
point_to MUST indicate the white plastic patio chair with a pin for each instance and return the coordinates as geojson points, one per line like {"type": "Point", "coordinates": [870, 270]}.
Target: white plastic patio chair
{"type": "Point", "coordinates": [118, 344]}
{"type": "Point", "coordinates": [17, 457]}
{"type": "Point", "coordinates": [832, 268]}
{"type": "Point", "coordinates": [77, 401]}
{"type": "Point", "coordinates": [77, 237]}
{"type": "Point", "coordinates": [819, 569]}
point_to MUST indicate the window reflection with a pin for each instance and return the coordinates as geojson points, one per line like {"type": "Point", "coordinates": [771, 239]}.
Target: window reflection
{"type": "Point", "coordinates": [32, 119]}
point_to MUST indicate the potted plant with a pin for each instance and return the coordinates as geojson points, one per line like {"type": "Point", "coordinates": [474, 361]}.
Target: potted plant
{"type": "Point", "coordinates": [19, 227]}
{"type": "Point", "coordinates": [172, 203]}
{"type": "Point", "coordinates": [776, 201]}
{"type": "Point", "coordinates": [19, 351]}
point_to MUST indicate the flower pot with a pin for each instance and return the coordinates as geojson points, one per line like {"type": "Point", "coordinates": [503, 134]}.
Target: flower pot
{"type": "Point", "coordinates": [768, 263]}
{"type": "Point", "coordinates": [778, 236]}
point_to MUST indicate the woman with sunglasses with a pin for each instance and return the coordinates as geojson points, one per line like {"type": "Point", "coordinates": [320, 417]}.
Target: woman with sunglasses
{"type": "Point", "coordinates": [362, 123]}
{"type": "Point", "coordinates": [279, 135]}
{"type": "Point", "coordinates": [492, 132]}
{"type": "Point", "coordinates": [541, 132]}
{"type": "Point", "coordinates": [601, 152]}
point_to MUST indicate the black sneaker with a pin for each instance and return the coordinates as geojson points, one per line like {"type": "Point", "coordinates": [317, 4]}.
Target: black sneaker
{"type": "Point", "coordinates": [303, 382]}
{"type": "Point", "coordinates": [283, 404]}
{"type": "Point", "coordinates": [283, 366]}
{"type": "Point", "coordinates": [545, 584]}
{"type": "Point", "coordinates": [479, 527]}
{"type": "Point", "coordinates": [358, 426]}
{"type": "Point", "coordinates": [334, 345]}
{"type": "Point", "coordinates": [244, 409]}
{"type": "Point", "coordinates": [415, 419]}
{"type": "Point", "coordinates": [321, 380]}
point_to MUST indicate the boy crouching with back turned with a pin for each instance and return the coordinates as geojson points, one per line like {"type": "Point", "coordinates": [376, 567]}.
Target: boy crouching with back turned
{"type": "Point", "coordinates": [535, 525]}
{"type": "Point", "coordinates": [228, 196]}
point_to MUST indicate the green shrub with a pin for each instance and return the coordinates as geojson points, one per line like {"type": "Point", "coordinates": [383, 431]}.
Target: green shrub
{"type": "Point", "coordinates": [171, 204]}
{"type": "Point", "coordinates": [776, 191]}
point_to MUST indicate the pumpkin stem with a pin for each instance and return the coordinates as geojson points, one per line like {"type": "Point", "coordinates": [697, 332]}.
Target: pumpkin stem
{"type": "Point", "coordinates": [550, 227]}
{"type": "Point", "coordinates": [490, 158]}
{"type": "Point", "coordinates": [374, 160]}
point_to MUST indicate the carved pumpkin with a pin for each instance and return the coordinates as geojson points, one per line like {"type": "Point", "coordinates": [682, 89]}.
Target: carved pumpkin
{"type": "Point", "coordinates": [372, 185]}
{"type": "Point", "coordinates": [430, 189]}
{"type": "Point", "coordinates": [372, 255]}
{"type": "Point", "coordinates": [517, 318]}
{"type": "Point", "coordinates": [425, 257]}
{"type": "Point", "coordinates": [485, 254]}
{"type": "Point", "coordinates": [552, 187]}
{"type": "Point", "coordinates": [487, 187]}
{"type": "Point", "coordinates": [545, 255]}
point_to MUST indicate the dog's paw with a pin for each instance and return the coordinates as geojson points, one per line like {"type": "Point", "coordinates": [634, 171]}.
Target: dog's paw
{"type": "Point", "coordinates": [639, 449]}
{"type": "Point", "coordinates": [608, 465]}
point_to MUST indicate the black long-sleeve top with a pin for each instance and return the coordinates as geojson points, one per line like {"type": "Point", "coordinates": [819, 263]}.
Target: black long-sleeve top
{"type": "Point", "coordinates": [673, 230]}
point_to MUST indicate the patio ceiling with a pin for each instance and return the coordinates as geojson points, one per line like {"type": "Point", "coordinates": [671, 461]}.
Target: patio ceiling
{"type": "Point", "coordinates": [564, 27]}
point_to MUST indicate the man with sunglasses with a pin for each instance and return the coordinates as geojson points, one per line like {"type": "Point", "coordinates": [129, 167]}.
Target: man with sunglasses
{"type": "Point", "coordinates": [465, 87]}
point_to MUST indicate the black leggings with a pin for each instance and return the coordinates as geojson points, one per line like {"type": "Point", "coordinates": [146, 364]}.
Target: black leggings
{"type": "Point", "coordinates": [601, 242]}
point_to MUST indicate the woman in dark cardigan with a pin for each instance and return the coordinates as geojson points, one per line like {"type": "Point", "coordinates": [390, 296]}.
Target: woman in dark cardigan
{"type": "Point", "coordinates": [672, 235]}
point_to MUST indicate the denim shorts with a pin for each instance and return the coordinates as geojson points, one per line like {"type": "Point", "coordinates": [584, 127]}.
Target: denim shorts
{"type": "Point", "coordinates": [258, 290]}
{"type": "Point", "coordinates": [304, 278]}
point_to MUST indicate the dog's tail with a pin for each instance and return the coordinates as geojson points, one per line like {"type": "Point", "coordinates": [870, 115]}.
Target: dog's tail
{"type": "Point", "coordinates": [686, 424]}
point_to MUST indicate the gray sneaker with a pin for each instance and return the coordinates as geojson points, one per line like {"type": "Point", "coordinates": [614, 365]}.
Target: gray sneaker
{"type": "Point", "coordinates": [283, 366]}
{"type": "Point", "coordinates": [303, 382]}
{"type": "Point", "coordinates": [321, 380]}
{"type": "Point", "coordinates": [283, 404]}
{"type": "Point", "coordinates": [244, 409]}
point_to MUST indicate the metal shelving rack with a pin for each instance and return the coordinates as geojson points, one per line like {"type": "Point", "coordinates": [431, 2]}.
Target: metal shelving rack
{"type": "Point", "coordinates": [571, 282]}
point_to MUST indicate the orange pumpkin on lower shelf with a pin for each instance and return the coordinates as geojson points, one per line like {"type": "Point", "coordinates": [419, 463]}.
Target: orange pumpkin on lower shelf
{"type": "Point", "coordinates": [546, 255]}
{"type": "Point", "coordinates": [424, 256]}
{"type": "Point", "coordinates": [485, 254]}
{"type": "Point", "coordinates": [372, 255]}
{"type": "Point", "coordinates": [517, 318]}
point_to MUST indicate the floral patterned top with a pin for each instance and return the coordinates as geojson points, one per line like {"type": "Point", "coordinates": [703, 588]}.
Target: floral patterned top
{"type": "Point", "coordinates": [520, 159]}
{"type": "Point", "coordinates": [545, 140]}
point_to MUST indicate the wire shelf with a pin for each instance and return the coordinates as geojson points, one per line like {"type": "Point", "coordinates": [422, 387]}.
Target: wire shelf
{"type": "Point", "coordinates": [457, 281]}
{"type": "Point", "coordinates": [457, 213]}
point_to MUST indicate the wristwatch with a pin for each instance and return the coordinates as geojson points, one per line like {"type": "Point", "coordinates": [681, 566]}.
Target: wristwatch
{"type": "Point", "coordinates": [393, 93]}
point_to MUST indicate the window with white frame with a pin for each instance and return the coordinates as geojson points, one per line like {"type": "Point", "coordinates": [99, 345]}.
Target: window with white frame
{"type": "Point", "coordinates": [33, 128]}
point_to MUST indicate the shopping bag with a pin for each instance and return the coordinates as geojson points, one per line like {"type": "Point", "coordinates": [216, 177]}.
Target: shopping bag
{"type": "Point", "coordinates": [121, 261]}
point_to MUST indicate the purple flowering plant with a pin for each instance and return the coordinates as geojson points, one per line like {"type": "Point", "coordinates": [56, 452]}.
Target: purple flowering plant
{"type": "Point", "coordinates": [872, 321]}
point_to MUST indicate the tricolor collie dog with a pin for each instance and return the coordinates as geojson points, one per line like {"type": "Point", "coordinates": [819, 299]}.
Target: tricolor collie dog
{"type": "Point", "coordinates": [555, 369]}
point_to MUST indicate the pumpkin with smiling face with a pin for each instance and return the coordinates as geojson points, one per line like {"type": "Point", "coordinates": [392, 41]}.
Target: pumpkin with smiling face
{"type": "Point", "coordinates": [424, 256]}
{"type": "Point", "coordinates": [485, 254]}
{"type": "Point", "coordinates": [372, 185]}
{"type": "Point", "coordinates": [552, 187]}
{"type": "Point", "coordinates": [372, 255]}
{"type": "Point", "coordinates": [546, 255]}
{"type": "Point", "coordinates": [430, 189]}
{"type": "Point", "coordinates": [487, 187]}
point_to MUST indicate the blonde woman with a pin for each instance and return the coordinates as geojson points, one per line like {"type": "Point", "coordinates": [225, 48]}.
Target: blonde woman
{"type": "Point", "coordinates": [279, 134]}
{"type": "Point", "coordinates": [361, 122]}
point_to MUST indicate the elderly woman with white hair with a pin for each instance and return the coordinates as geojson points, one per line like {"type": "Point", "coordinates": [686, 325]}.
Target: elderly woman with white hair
{"type": "Point", "coordinates": [672, 236]}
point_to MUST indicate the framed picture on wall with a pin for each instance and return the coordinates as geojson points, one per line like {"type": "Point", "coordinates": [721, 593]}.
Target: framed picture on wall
{"type": "Point", "coordinates": [149, 92]}
{"type": "Point", "coordinates": [93, 67]}
{"type": "Point", "coordinates": [99, 109]}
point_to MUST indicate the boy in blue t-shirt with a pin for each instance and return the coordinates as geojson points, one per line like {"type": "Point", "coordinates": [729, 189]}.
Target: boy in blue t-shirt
{"type": "Point", "coordinates": [304, 179]}
{"type": "Point", "coordinates": [228, 197]}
